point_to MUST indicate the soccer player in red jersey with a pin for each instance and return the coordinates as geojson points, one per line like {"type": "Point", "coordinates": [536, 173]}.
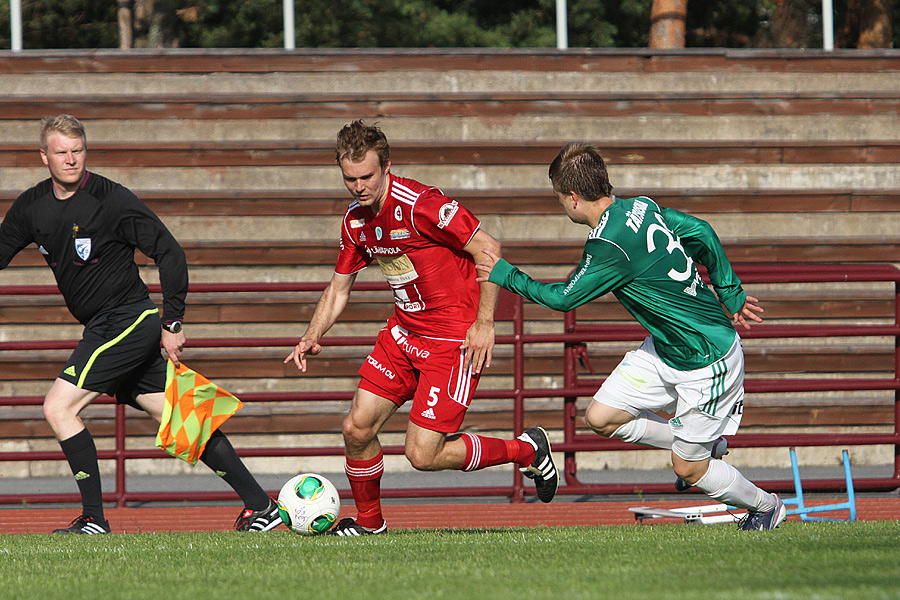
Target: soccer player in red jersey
{"type": "Point", "coordinates": [433, 348]}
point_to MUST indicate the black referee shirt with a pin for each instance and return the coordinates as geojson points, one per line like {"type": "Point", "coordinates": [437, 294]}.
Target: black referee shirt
{"type": "Point", "coordinates": [89, 241]}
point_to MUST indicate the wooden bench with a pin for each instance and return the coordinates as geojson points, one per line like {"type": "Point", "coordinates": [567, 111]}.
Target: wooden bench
{"type": "Point", "coordinates": [305, 153]}
{"type": "Point", "coordinates": [511, 202]}
{"type": "Point", "coordinates": [520, 252]}
{"type": "Point", "coordinates": [253, 105]}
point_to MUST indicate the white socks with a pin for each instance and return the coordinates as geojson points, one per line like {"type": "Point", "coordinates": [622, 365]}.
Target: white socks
{"type": "Point", "coordinates": [647, 429]}
{"type": "Point", "coordinates": [724, 483]}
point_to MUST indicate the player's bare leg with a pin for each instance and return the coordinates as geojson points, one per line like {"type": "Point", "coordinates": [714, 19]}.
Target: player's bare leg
{"type": "Point", "coordinates": [62, 406]}
{"type": "Point", "coordinates": [429, 450]}
{"type": "Point", "coordinates": [726, 484]}
{"type": "Point", "coordinates": [368, 414]}
{"type": "Point", "coordinates": [365, 462]}
{"type": "Point", "coordinates": [605, 420]}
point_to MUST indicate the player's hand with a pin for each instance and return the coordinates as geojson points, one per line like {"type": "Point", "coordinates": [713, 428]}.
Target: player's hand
{"type": "Point", "coordinates": [486, 266]}
{"type": "Point", "coordinates": [298, 354]}
{"type": "Point", "coordinates": [479, 345]}
{"type": "Point", "coordinates": [173, 343]}
{"type": "Point", "coordinates": [750, 311]}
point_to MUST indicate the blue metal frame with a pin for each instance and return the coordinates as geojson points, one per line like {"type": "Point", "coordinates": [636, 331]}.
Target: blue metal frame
{"type": "Point", "coordinates": [804, 510]}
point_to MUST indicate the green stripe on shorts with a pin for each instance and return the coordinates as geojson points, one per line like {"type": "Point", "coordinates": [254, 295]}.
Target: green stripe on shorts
{"type": "Point", "coordinates": [113, 342]}
{"type": "Point", "coordinates": [717, 388]}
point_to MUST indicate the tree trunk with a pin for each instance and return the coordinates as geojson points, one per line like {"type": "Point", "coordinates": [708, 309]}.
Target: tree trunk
{"type": "Point", "coordinates": [789, 29]}
{"type": "Point", "coordinates": [126, 25]}
{"type": "Point", "coordinates": [667, 19]}
{"type": "Point", "coordinates": [875, 24]}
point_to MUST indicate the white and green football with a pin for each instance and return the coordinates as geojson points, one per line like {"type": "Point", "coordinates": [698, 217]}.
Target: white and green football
{"type": "Point", "coordinates": [309, 504]}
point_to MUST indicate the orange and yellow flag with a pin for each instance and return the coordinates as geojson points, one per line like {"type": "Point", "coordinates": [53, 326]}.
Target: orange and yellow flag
{"type": "Point", "coordinates": [195, 407]}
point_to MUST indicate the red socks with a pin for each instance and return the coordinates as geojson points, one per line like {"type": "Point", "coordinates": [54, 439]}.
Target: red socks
{"type": "Point", "coordinates": [365, 483]}
{"type": "Point", "coordinates": [484, 452]}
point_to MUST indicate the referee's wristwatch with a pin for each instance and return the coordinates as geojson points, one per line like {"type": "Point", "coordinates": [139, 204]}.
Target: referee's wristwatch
{"type": "Point", "coordinates": [172, 327]}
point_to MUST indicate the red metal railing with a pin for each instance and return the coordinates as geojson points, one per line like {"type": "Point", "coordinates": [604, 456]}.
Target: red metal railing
{"type": "Point", "coordinates": [575, 339]}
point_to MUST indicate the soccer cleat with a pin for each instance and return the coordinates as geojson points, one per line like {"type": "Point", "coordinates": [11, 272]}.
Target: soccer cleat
{"type": "Point", "coordinates": [719, 449]}
{"type": "Point", "coordinates": [86, 525]}
{"type": "Point", "coordinates": [259, 520]}
{"type": "Point", "coordinates": [542, 471]}
{"type": "Point", "coordinates": [348, 527]}
{"type": "Point", "coordinates": [766, 520]}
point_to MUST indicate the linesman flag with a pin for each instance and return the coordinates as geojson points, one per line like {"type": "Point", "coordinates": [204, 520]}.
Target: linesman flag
{"type": "Point", "coordinates": [195, 407]}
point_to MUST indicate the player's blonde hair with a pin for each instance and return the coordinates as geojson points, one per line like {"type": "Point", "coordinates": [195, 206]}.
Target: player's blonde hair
{"type": "Point", "coordinates": [580, 168]}
{"type": "Point", "coordinates": [67, 125]}
{"type": "Point", "coordinates": [355, 139]}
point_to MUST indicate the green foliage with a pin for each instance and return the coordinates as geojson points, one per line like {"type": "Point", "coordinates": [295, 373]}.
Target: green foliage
{"type": "Point", "coordinates": [421, 23]}
{"type": "Point", "coordinates": [235, 24]}
{"type": "Point", "coordinates": [63, 24]}
{"type": "Point", "coordinates": [725, 23]}
{"type": "Point", "coordinates": [678, 562]}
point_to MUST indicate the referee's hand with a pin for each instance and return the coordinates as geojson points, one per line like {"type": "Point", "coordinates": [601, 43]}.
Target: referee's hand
{"type": "Point", "coordinates": [173, 343]}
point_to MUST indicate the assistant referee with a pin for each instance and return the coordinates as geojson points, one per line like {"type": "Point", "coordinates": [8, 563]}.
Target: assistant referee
{"type": "Point", "coordinates": [87, 228]}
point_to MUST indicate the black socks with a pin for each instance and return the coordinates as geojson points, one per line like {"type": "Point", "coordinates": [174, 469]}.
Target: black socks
{"type": "Point", "coordinates": [219, 455]}
{"type": "Point", "coordinates": [81, 453]}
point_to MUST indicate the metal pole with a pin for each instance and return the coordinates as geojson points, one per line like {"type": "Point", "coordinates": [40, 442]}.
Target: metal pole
{"type": "Point", "coordinates": [15, 25]}
{"type": "Point", "coordinates": [562, 26]}
{"type": "Point", "coordinates": [289, 24]}
{"type": "Point", "coordinates": [827, 25]}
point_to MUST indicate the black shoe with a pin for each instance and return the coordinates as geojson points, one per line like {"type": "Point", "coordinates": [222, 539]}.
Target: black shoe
{"type": "Point", "coordinates": [259, 520]}
{"type": "Point", "coordinates": [542, 470]}
{"type": "Point", "coordinates": [719, 449]}
{"type": "Point", "coordinates": [348, 527]}
{"type": "Point", "coordinates": [764, 521]}
{"type": "Point", "coordinates": [86, 525]}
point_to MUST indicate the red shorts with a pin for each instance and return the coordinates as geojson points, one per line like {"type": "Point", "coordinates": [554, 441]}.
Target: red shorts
{"type": "Point", "coordinates": [430, 371]}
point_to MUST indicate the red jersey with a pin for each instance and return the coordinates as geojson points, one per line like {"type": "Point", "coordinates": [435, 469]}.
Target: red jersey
{"type": "Point", "coordinates": [417, 240]}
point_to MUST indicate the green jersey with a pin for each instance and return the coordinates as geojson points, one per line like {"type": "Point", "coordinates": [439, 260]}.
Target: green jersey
{"type": "Point", "coordinates": [645, 255]}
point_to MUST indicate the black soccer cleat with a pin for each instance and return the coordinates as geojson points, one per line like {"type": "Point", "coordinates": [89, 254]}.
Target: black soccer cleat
{"type": "Point", "coordinates": [86, 525]}
{"type": "Point", "coordinates": [754, 521]}
{"type": "Point", "coordinates": [719, 449]}
{"type": "Point", "coordinates": [542, 471]}
{"type": "Point", "coordinates": [259, 520]}
{"type": "Point", "coordinates": [349, 528]}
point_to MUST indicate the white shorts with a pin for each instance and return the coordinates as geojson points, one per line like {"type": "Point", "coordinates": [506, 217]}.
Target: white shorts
{"type": "Point", "coordinates": [706, 403]}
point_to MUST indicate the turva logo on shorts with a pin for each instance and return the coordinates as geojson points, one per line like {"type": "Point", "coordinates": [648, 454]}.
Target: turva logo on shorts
{"type": "Point", "coordinates": [410, 349]}
{"type": "Point", "coordinates": [387, 372]}
{"type": "Point", "coordinates": [399, 335]}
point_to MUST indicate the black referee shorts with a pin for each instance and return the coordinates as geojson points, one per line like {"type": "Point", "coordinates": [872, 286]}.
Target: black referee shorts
{"type": "Point", "coordinates": [119, 354]}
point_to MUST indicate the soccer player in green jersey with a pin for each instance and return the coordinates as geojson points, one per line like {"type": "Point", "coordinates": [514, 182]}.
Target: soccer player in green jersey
{"type": "Point", "coordinates": [692, 364]}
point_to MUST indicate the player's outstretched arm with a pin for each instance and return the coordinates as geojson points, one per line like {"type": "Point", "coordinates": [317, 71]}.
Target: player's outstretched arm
{"type": "Point", "coordinates": [750, 310]}
{"type": "Point", "coordinates": [331, 305]}
{"type": "Point", "coordinates": [479, 344]}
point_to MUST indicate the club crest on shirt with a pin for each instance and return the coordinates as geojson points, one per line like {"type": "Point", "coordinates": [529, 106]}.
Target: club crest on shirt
{"type": "Point", "coordinates": [398, 214]}
{"type": "Point", "coordinates": [446, 213]}
{"type": "Point", "coordinates": [83, 248]}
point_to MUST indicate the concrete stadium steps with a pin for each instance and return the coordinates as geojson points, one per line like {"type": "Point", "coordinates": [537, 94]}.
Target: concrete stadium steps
{"type": "Point", "coordinates": [792, 156]}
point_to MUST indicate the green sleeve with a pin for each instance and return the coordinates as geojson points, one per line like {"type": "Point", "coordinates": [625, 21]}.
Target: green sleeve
{"type": "Point", "coordinates": [701, 242]}
{"type": "Point", "coordinates": [601, 270]}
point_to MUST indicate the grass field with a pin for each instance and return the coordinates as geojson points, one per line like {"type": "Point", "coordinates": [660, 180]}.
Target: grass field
{"type": "Point", "coordinates": [650, 562]}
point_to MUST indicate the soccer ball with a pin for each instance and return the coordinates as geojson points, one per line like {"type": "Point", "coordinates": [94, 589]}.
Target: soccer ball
{"type": "Point", "coordinates": [309, 504]}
